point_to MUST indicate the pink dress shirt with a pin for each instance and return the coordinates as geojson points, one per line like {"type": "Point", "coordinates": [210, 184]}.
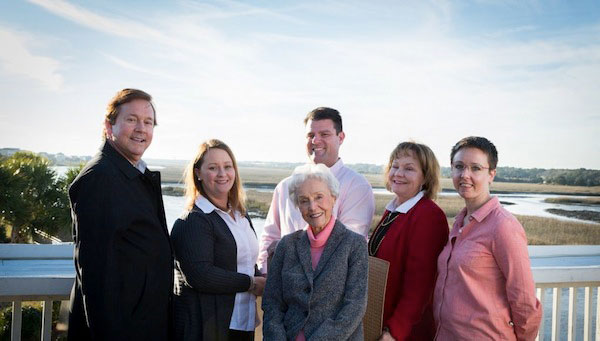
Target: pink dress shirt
{"type": "Point", "coordinates": [317, 245]}
{"type": "Point", "coordinates": [485, 289]}
{"type": "Point", "coordinates": [354, 207]}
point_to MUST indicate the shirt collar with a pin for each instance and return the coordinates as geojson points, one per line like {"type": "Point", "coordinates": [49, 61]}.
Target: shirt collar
{"type": "Point", "coordinates": [204, 204]}
{"type": "Point", "coordinates": [141, 166]}
{"type": "Point", "coordinates": [405, 206]}
{"type": "Point", "coordinates": [337, 167]}
{"type": "Point", "coordinates": [484, 210]}
{"type": "Point", "coordinates": [321, 238]}
{"type": "Point", "coordinates": [207, 207]}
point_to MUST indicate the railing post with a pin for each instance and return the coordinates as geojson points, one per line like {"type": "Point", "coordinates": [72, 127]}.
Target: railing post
{"type": "Point", "coordinates": [47, 321]}
{"type": "Point", "coordinates": [587, 315]}
{"type": "Point", "coordinates": [572, 320]}
{"type": "Point", "coordinates": [541, 295]}
{"type": "Point", "coordinates": [15, 332]}
{"type": "Point", "coordinates": [597, 314]}
{"type": "Point", "coordinates": [556, 314]}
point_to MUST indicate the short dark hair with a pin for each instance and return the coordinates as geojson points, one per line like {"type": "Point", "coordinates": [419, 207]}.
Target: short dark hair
{"type": "Point", "coordinates": [325, 113]}
{"type": "Point", "coordinates": [480, 143]}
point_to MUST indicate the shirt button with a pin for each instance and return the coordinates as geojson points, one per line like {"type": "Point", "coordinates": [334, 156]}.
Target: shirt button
{"type": "Point", "coordinates": [459, 230]}
{"type": "Point", "coordinates": [511, 323]}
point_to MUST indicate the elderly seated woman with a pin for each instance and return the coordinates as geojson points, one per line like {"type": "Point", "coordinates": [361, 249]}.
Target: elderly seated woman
{"type": "Point", "coordinates": [317, 283]}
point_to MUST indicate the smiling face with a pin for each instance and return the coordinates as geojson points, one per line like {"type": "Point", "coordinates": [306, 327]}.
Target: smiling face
{"type": "Point", "coordinates": [315, 202]}
{"type": "Point", "coordinates": [471, 175]}
{"type": "Point", "coordinates": [216, 174]}
{"type": "Point", "coordinates": [132, 132]}
{"type": "Point", "coordinates": [323, 142]}
{"type": "Point", "coordinates": [405, 177]}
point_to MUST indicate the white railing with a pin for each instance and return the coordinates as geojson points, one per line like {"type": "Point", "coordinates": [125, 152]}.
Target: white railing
{"type": "Point", "coordinates": [35, 273]}
{"type": "Point", "coordinates": [581, 312]}
{"type": "Point", "coordinates": [569, 293]}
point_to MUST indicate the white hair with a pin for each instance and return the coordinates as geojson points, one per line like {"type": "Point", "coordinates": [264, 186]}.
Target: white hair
{"type": "Point", "coordinates": [312, 171]}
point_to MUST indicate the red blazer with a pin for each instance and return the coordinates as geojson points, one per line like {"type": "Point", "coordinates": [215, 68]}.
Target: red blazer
{"type": "Point", "coordinates": [412, 245]}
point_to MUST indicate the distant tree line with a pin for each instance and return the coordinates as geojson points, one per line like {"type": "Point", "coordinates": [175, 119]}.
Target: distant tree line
{"type": "Point", "coordinates": [58, 159]}
{"type": "Point", "coordinates": [573, 177]}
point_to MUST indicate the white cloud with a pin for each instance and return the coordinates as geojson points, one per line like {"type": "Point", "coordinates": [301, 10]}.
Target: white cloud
{"type": "Point", "coordinates": [95, 21]}
{"type": "Point", "coordinates": [130, 66]}
{"type": "Point", "coordinates": [183, 32]}
{"type": "Point", "coordinates": [226, 9]}
{"type": "Point", "coordinates": [410, 80]}
{"type": "Point", "coordinates": [17, 59]}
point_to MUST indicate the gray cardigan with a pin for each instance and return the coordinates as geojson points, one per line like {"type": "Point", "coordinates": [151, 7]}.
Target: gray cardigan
{"type": "Point", "coordinates": [327, 303]}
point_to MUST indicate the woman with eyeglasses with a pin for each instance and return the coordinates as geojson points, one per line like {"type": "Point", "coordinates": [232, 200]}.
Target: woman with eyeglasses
{"type": "Point", "coordinates": [484, 289]}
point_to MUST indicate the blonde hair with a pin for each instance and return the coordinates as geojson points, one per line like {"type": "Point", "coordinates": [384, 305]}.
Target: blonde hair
{"type": "Point", "coordinates": [428, 162]}
{"type": "Point", "coordinates": [193, 186]}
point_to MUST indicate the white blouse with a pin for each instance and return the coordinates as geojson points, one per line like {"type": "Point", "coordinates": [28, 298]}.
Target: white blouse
{"type": "Point", "coordinates": [244, 308]}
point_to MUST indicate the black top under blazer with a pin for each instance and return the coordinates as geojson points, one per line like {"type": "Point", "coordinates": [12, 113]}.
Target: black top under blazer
{"type": "Point", "coordinates": [123, 258]}
{"type": "Point", "coordinates": [206, 277]}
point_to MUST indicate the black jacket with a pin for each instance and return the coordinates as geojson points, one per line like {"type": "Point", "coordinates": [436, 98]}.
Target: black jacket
{"type": "Point", "coordinates": [123, 255]}
{"type": "Point", "coordinates": [206, 275]}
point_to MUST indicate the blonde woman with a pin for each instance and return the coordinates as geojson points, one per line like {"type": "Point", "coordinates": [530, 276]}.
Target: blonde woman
{"type": "Point", "coordinates": [215, 252]}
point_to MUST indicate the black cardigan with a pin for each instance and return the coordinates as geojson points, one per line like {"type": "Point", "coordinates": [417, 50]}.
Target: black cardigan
{"type": "Point", "coordinates": [206, 276]}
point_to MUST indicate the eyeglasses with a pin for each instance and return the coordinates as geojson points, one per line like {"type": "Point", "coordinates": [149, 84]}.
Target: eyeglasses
{"type": "Point", "coordinates": [474, 169]}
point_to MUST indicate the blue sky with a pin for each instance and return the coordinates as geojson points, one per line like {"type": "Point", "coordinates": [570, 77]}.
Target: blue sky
{"type": "Point", "coordinates": [525, 74]}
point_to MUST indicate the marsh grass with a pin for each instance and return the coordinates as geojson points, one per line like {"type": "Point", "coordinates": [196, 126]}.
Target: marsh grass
{"type": "Point", "coordinates": [573, 201]}
{"type": "Point", "coordinates": [512, 187]}
{"type": "Point", "coordinates": [272, 176]}
{"type": "Point", "coordinates": [258, 202]}
{"type": "Point", "coordinates": [548, 231]}
{"type": "Point", "coordinates": [539, 230]}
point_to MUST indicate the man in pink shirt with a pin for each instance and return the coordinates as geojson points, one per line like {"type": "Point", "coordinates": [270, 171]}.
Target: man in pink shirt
{"type": "Point", "coordinates": [354, 206]}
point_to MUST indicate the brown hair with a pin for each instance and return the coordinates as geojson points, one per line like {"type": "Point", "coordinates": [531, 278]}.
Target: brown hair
{"type": "Point", "coordinates": [428, 162]}
{"type": "Point", "coordinates": [122, 97]}
{"type": "Point", "coordinates": [480, 143]}
{"type": "Point", "coordinates": [193, 186]}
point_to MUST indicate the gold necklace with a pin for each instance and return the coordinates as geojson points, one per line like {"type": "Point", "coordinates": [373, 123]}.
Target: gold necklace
{"type": "Point", "coordinates": [381, 229]}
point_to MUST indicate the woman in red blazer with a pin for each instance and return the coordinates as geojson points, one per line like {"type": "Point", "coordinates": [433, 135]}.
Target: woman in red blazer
{"type": "Point", "coordinates": [410, 235]}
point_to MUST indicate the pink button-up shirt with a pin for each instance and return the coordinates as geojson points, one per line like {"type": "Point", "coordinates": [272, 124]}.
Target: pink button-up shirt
{"type": "Point", "coordinates": [485, 289]}
{"type": "Point", "coordinates": [354, 207]}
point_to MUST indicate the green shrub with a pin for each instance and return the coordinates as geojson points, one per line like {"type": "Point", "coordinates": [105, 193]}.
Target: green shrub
{"type": "Point", "coordinates": [31, 326]}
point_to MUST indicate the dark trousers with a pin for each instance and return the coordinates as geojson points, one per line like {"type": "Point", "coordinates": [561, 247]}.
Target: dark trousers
{"type": "Point", "coordinates": [240, 335]}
